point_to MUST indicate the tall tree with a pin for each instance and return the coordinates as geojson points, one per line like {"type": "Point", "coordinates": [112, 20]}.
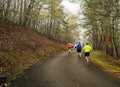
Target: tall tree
{"type": "Point", "coordinates": [102, 18]}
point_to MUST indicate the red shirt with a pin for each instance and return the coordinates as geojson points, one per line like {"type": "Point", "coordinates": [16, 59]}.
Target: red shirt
{"type": "Point", "coordinates": [69, 45]}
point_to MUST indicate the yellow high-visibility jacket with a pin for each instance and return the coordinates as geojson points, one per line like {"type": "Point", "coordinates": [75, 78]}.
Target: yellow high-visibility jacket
{"type": "Point", "coordinates": [87, 48]}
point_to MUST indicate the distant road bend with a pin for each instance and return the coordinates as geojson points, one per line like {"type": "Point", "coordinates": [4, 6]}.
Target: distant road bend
{"type": "Point", "coordinates": [64, 70]}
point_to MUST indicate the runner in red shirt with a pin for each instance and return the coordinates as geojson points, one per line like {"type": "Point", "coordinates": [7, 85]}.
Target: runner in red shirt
{"type": "Point", "coordinates": [69, 47]}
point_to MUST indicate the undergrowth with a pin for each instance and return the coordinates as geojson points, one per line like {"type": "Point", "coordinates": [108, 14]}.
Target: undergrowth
{"type": "Point", "coordinates": [108, 64]}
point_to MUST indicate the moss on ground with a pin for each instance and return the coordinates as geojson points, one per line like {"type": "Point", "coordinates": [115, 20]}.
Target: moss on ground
{"type": "Point", "coordinates": [109, 64]}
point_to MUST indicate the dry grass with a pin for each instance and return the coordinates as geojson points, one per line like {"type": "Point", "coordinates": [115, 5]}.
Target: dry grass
{"type": "Point", "coordinates": [20, 47]}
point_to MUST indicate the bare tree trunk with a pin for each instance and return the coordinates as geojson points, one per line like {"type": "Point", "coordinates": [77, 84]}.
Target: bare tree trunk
{"type": "Point", "coordinates": [7, 9]}
{"type": "Point", "coordinates": [1, 8]}
{"type": "Point", "coordinates": [21, 12]}
{"type": "Point", "coordinates": [27, 13]}
{"type": "Point", "coordinates": [114, 43]}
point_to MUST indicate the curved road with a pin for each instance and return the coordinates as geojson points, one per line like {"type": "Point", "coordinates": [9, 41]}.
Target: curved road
{"type": "Point", "coordinates": [64, 70]}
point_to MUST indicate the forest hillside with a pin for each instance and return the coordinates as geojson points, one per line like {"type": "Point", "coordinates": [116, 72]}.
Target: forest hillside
{"type": "Point", "coordinates": [21, 47]}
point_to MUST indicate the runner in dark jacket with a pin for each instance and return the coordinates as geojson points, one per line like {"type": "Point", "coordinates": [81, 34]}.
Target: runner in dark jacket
{"type": "Point", "coordinates": [79, 48]}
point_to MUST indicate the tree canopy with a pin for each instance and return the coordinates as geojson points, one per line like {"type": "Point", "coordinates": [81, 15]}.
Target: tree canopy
{"type": "Point", "coordinates": [102, 19]}
{"type": "Point", "coordinates": [45, 16]}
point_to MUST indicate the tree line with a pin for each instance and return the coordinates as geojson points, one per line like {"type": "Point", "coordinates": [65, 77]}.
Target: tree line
{"type": "Point", "coordinates": [45, 16]}
{"type": "Point", "coordinates": [101, 19]}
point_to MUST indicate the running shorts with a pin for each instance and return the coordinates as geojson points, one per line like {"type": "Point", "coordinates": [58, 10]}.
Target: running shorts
{"type": "Point", "coordinates": [87, 53]}
{"type": "Point", "coordinates": [78, 50]}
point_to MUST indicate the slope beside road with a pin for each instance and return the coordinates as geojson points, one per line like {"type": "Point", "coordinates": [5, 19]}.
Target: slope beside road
{"type": "Point", "coordinates": [64, 70]}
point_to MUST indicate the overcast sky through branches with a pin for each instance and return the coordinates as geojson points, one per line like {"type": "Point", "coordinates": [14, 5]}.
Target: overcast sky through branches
{"type": "Point", "coordinates": [74, 8]}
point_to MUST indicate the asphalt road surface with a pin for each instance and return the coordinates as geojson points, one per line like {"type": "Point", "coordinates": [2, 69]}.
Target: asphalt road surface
{"type": "Point", "coordinates": [64, 70]}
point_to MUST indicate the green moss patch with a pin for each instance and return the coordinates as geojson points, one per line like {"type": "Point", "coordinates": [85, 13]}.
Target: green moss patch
{"type": "Point", "coordinates": [110, 65]}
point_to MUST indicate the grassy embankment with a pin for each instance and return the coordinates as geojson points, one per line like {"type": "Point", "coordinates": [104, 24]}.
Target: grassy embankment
{"type": "Point", "coordinates": [107, 64]}
{"type": "Point", "coordinates": [22, 47]}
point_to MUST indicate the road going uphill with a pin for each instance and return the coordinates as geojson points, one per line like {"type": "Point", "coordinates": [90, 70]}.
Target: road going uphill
{"type": "Point", "coordinates": [64, 70]}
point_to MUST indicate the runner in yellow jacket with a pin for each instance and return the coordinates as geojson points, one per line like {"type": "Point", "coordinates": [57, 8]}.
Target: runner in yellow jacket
{"type": "Point", "coordinates": [87, 49]}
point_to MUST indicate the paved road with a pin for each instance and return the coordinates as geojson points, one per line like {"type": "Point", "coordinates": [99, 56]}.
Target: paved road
{"type": "Point", "coordinates": [64, 70]}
